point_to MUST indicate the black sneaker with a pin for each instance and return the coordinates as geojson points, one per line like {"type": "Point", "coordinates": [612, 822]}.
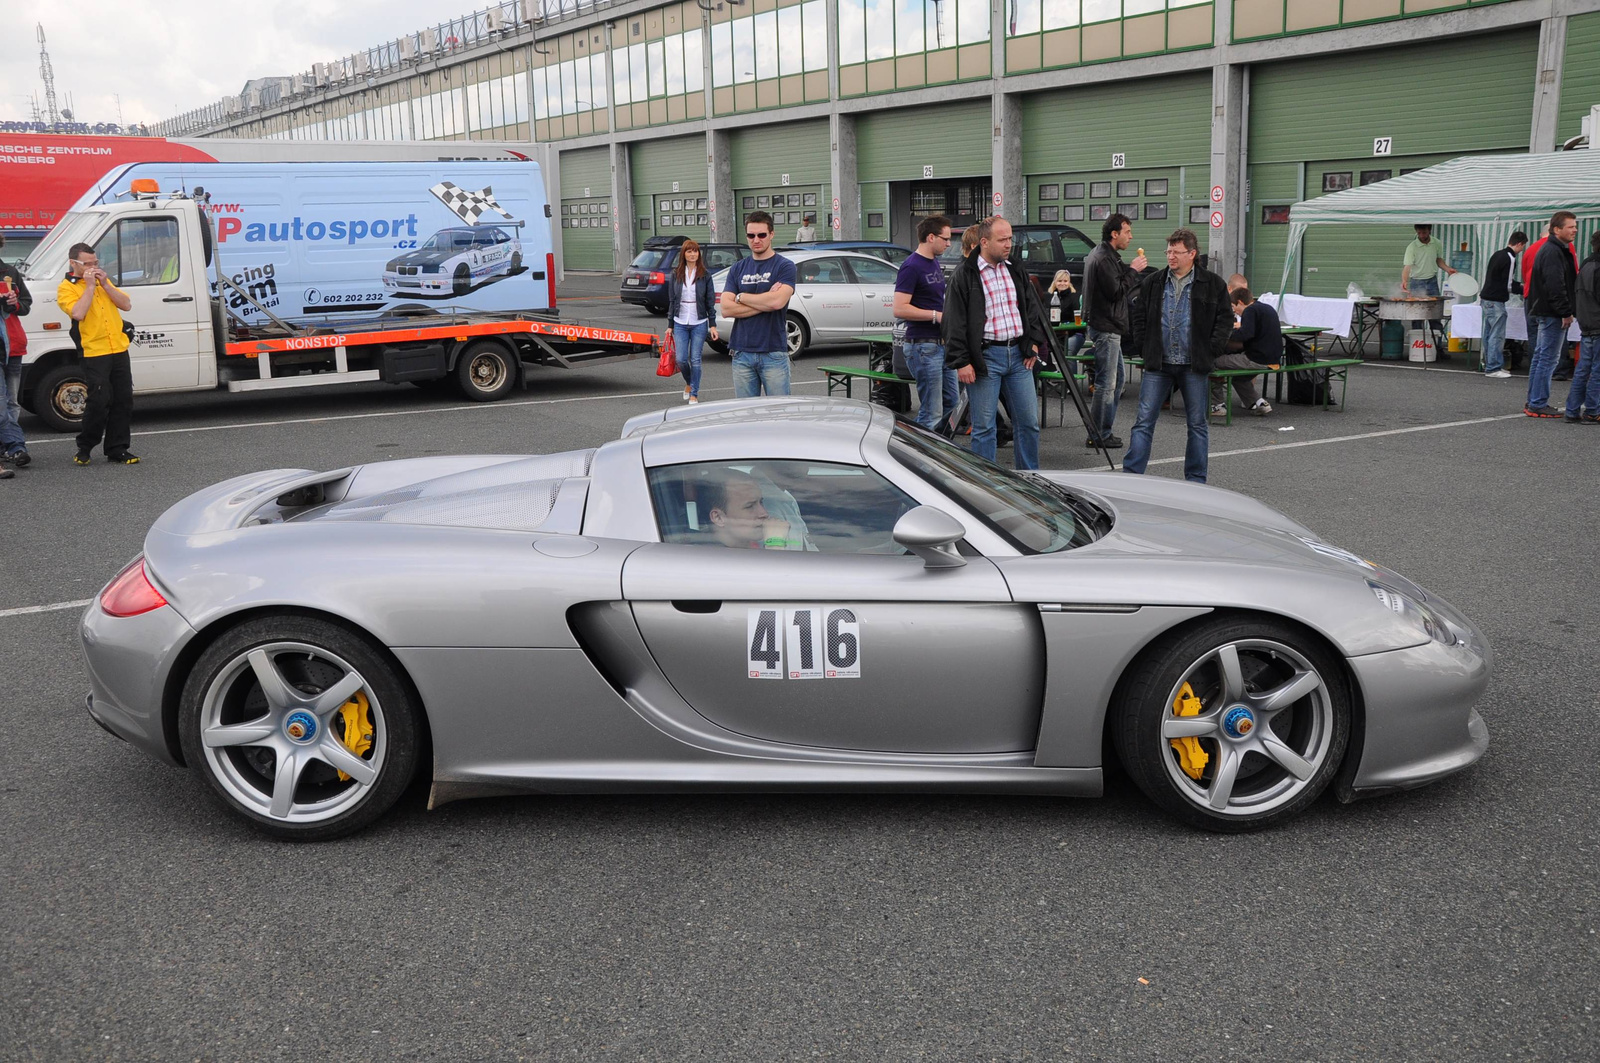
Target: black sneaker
{"type": "Point", "coordinates": [1589, 418]}
{"type": "Point", "coordinates": [126, 457]}
{"type": "Point", "coordinates": [1571, 418]}
{"type": "Point", "coordinates": [1541, 411]}
{"type": "Point", "coordinates": [81, 458]}
{"type": "Point", "coordinates": [1104, 443]}
{"type": "Point", "coordinates": [19, 458]}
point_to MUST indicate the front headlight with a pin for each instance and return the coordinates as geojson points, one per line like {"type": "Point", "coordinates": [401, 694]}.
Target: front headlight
{"type": "Point", "coordinates": [1425, 619]}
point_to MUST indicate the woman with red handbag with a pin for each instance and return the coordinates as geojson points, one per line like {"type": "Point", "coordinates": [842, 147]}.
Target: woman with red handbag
{"type": "Point", "coordinates": [690, 301]}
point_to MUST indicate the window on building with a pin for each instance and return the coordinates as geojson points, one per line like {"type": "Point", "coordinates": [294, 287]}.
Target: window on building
{"type": "Point", "coordinates": [1277, 215]}
{"type": "Point", "coordinates": [1155, 211]}
{"type": "Point", "coordinates": [1372, 177]}
{"type": "Point", "coordinates": [1197, 215]}
{"type": "Point", "coordinates": [1130, 209]}
{"type": "Point", "coordinates": [1098, 189]}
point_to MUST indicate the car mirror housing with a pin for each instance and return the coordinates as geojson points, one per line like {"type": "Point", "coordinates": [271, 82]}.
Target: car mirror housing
{"type": "Point", "coordinates": [931, 534]}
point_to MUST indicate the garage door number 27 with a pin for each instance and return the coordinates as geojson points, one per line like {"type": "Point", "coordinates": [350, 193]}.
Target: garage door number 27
{"type": "Point", "coordinates": [803, 642]}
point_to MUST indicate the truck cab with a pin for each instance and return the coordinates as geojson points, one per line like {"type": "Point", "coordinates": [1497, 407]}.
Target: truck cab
{"type": "Point", "coordinates": [156, 250]}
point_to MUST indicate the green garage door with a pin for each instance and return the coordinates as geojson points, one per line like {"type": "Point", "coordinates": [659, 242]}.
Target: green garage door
{"type": "Point", "coordinates": [586, 210]}
{"type": "Point", "coordinates": [1363, 119]}
{"type": "Point", "coordinates": [786, 171]}
{"type": "Point", "coordinates": [669, 188]}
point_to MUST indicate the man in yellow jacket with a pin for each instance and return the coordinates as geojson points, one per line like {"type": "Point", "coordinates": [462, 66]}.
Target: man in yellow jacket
{"type": "Point", "coordinates": [89, 298]}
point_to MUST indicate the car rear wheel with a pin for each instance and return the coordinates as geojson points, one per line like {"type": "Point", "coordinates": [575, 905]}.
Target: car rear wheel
{"type": "Point", "coordinates": [60, 397]}
{"type": "Point", "coordinates": [1233, 725]}
{"type": "Point", "coordinates": [485, 372]}
{"type": "Point", "coordinates": [302, 727]}
{"type": "Point", "coordinates": [797, 333]}
{"type": "Point", "coordinates": [516, 260]}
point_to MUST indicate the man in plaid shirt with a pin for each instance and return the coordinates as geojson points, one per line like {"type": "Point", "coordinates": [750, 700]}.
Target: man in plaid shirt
{"type": "Point", "coordinates": [995, 333]}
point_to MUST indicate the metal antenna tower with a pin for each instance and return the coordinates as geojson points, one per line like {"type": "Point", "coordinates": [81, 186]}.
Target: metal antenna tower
{"type": "Point", "coordinates": [48, 75]}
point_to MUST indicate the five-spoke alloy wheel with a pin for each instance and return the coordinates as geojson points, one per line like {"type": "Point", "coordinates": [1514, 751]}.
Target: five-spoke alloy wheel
{"type": "Point", "coordinates": [1234, 724]}
{"type": "Point", "coordinates": [301, 726]}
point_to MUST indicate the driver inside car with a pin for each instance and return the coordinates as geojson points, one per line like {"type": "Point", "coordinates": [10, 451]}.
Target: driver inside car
{"type": "Point", "coordinates": [738, 516]}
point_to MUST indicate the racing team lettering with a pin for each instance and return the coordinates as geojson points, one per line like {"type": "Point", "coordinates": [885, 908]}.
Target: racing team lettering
{"type": "Point", "coordinates": [819, 642]}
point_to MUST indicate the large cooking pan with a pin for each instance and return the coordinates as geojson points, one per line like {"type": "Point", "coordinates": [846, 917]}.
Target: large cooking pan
{"type": "Point", "coordinates": [1412, 307]}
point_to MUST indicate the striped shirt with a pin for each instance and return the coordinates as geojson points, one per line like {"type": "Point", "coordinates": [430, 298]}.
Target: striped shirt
{"type": "Point", "coordinates": [1003, 320]}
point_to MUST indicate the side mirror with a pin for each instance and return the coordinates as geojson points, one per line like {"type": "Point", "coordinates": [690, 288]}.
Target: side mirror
{"type": "Point", "coordinates": [931, 534]}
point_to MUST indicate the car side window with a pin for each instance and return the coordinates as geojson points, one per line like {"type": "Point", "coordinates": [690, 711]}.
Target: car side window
{"type": "Point", "coordinates": [140, 251]}
{"type": "Point", "coordinates": [813, 506]}
{"type": "Point", "coordinates": [719, 258]}
{"type": "Point", "coordinates": [500, 237]}
{"type": "Point", "coordinates": [462, 240]}
{"type": "Point", "coordinates": [1038, 246]}
{"type": "Point", "coordinates": [873, 271]}
{"type": "Point", "coordinates": [821, 271]}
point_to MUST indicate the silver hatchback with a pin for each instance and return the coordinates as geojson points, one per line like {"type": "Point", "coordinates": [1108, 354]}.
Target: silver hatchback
{"type": "Point", "coordinates": [839, 296]}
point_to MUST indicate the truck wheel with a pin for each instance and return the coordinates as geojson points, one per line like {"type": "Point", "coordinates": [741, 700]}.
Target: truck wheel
{"type": "Point", "coordinates": [462, 281]}
{"type": "Point", "coordinates": [59, 398]}
{"type": "Point", "coordinates": [486, 372]}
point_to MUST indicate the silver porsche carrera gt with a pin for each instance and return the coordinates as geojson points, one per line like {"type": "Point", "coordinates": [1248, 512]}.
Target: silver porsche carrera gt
{"type": "Point", "coordinates": [780, 594]}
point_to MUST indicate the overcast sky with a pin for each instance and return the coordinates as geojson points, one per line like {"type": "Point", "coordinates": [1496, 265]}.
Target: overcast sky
{"type": "Point", "coordinates": [166, 58]}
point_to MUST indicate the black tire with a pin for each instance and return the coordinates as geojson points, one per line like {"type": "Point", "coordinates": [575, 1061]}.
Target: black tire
{"type": "Point", "coordinates": [485, 372]}
{"type": "Point", "coordinates": [1306, 733]}
{"type": "Point", "coordinates": [461, 283]}
{"type": "Point", "coordinates": [516, 260]}
{"type": "Point", "coordinates": [310, 656]}
{"type": "Point", "coordinates": [797, 333]}
{"type": "Point", "coordinates": [60, 396]}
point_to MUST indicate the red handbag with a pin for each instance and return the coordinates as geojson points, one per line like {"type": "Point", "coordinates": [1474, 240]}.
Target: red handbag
{"type": "Point", "coordinates": [669, 357]}
{"type": "Point", "coordinates": [16, 335]}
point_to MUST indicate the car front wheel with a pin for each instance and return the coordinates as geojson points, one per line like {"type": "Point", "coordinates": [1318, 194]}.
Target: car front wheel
{"type": "Point", "coordinates": [1234, 725]}
{"type": "Point", "coordinates": [301, 726]}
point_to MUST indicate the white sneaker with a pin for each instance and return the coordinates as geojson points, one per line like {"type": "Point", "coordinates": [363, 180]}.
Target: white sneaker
{"type": "Point", "coordinates": [1498, 374]}
{"type": "Point", "coordinates": [694, 400]}
{"type": "Point", "coordinates": [1261, 408]}
{"type": "Point", "coordinates": [1219, 410]}
{"type": "Point", "coordinates": [686, 394]}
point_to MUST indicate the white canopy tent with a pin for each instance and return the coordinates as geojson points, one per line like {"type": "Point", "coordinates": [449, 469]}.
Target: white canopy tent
{"type": "Point", "coordinates": [1478, 200]}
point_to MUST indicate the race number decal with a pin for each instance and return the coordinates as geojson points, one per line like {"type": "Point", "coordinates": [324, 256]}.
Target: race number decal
{"type": "Point", "coordinates": [843, 645]}
{"type": "Point", "coordinates": [803, 632]}
{"type": "Point", "coordinates": [765, 653]}
{"type": "Point", "coordinates": [803, 642]}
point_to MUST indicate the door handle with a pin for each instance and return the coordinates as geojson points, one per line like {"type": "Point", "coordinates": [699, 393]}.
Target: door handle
{"type": "Point", "coordinates": [805, 295]}
{"type": "Point", "coordinates": [178, 299]}
{"type": "Point", "coordinates": [696, 605]}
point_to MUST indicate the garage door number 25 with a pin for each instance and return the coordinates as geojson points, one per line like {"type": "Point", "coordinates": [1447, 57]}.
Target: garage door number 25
{"type": "Point", "coordinates": [819, 642]}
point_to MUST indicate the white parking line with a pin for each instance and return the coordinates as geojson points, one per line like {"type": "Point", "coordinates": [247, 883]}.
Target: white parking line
{"type": "Point", "coordinates": [476, 406]}
{"type": "Point", "coordinates": [55, 608]}
{"type": "Point", "coordinates": [1348, 439]}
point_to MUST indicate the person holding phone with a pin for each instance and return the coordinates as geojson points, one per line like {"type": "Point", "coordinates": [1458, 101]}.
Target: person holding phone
{"type": "Point", "coordinates": [15, 302]}
{"type": "Point", "coordinates": [89, 298]}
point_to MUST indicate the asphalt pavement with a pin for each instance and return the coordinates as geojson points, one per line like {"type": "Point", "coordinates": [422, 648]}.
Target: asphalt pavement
{"type": "Point", "coordinates": [1454, 922]}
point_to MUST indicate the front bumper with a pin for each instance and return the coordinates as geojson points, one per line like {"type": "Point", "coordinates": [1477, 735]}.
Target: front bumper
{"type": "Point", "coordinates": [129, 660]}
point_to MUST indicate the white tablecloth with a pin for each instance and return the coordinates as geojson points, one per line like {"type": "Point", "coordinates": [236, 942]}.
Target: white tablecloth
{"type": "Point", "coordinates": [1466, 323]}
{"type": "Point", "coordinates": [1330, 315]}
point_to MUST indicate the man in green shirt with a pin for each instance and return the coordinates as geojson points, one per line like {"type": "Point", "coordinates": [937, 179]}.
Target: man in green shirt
{"type": "Point", "coordinates": [1419, 275]}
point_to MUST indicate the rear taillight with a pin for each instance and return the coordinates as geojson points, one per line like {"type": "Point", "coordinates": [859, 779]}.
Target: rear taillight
{"type": "Point", "coordinates": [658, 277]}
{"type": "Point", "coordinates": [131, 593]}
{"type": "Point", "coordinates": [550, 275]}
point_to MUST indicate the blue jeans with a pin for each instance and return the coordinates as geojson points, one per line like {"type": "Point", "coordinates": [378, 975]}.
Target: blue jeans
{"type": "Point", "coordinates": [1110, 373]}
{"type": "Point", "coordinates": [11, 439]}
{"type": "Point", "coordinates": [1585, 379]}
{"type": "Point", "coordinates": [1006, 374]}
{"type": "Point", "coordinates": [1494, 335]}
{"type": "Point", "coordinates": [937, 387]}
{"type": "Point", "coordinates": [690, 341]}
{"type": "Point", "coordinates": [758, 371]}
{"type": "Point", "coordinates": [1546, 352]}
{"type": "Point", "coordinates": [1154, 389]}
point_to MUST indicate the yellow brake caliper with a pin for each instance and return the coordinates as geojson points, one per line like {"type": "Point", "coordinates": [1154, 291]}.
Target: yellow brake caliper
{"type": "Point", "coordinates": [1192, 757]}
{"type": "Point", "coordinates": [357, 715]}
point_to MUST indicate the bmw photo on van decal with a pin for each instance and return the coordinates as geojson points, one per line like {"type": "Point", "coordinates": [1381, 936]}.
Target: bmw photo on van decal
{"type": "Point", "coordinates": [455, 261]}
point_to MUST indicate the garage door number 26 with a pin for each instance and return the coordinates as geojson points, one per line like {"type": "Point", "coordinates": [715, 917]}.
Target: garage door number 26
{"type": "Point", "coordinates": [803, 642]}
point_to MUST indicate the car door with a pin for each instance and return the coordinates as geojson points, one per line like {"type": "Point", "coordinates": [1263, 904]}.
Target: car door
{"type": "Point", "coordinates": [829, 299]}
{"type": "Point", "coordinates": [146, 257]}
{"type": "Point", "coordinates": [826, 633]}
{"type": "Point", "coordinates": [876, 279]}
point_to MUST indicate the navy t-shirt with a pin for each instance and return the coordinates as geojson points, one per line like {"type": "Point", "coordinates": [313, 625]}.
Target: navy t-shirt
{"type": "Point", "coordinates": [923, 280]}
{"type": "Point", "coordinates": [764, 332]}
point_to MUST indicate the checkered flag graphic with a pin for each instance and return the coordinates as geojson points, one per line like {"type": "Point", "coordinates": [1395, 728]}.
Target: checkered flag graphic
{"type": "Point", "coordinates": [468, 206]}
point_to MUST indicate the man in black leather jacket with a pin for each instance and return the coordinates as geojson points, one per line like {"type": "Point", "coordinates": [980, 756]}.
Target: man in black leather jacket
{"type": "Point", "coordinates": [1550, 296]}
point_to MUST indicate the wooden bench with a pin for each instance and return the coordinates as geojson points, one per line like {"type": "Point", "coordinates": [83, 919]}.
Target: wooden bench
{"type": "Point", "coordinates": [1336, 367]}
{"type": "Point", "coordinates": [1050, 383]}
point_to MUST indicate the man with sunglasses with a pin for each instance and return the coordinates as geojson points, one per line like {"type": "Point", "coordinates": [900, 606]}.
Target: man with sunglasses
{"type": "Point", "coordinates": [756, 297]}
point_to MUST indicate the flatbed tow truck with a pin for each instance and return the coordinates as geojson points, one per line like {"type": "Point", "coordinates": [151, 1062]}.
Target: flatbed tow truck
{"type": "Point", "coordinates": [178, 345]}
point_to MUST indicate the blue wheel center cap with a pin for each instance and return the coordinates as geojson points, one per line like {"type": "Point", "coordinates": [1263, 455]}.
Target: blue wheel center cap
{"type": "Point", "coordinates": [1238, 721]}
{"type": "Point", "coordinates": [300, 727]}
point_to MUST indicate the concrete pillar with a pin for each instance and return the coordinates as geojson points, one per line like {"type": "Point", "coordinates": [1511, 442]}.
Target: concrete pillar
{"type": "Point", "coordinates": [623, 224]}
{"type": "Point", "coordinates": [725, 227]}
{"type": "Point", "coordinates": [1229, 143]}
{"type": "Point", "coordinates": [1010, 190]}
{"type": "Point", "coordinates": [1547, 84]}
{"type": "Point", "coordinates": [846, 205]}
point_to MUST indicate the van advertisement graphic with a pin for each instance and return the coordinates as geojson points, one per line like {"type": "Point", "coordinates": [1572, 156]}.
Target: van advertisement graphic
{"type": "Point", "coordinates": [320, 240]}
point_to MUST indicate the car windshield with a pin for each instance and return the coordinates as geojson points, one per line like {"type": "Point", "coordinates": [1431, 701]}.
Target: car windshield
{"type": "Point", "coordinates": [447, 240]}
{"type": "Point", "coordinates": [1034, 515]}
{"type": "Point", "coordinates": [72, 229]}
{"type": "Point", "coordinates": [648, 260]}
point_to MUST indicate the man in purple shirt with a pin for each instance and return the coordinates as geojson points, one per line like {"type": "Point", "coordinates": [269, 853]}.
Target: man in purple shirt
{"type": "Point", "coordinates": [919, 301]}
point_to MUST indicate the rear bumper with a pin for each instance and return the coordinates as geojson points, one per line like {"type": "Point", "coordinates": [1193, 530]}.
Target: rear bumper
{"type": "Point", "coordinates": [655, 299]}
{"type": "Point", "coordinates": [1421, 721]}
{"type": "Point", "coordinates": [129, 660]}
